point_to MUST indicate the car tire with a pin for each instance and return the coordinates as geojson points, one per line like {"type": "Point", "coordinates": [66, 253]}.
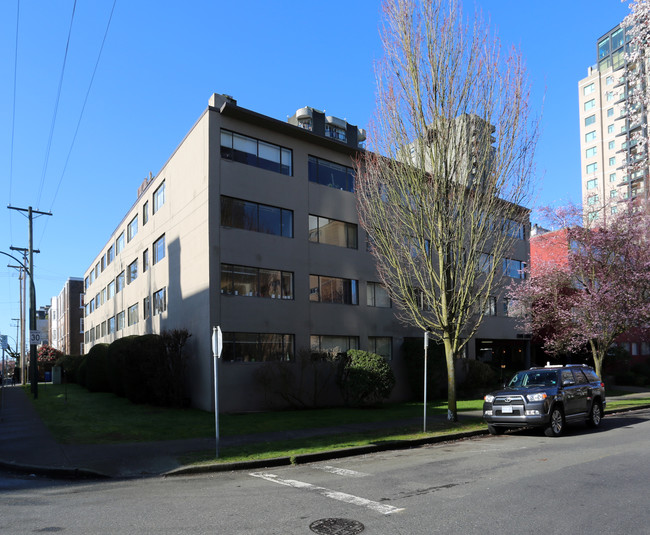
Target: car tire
{"type": "Point", "coordinates": [556, 423]}
{"type": "Point", "coordinates": [595, 415]}
{"type": "Point", "coordinates": [495, 430]}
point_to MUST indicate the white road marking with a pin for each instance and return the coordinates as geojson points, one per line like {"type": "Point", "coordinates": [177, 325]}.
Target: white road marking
{"type": "Point", "coordinates": [341, 496]}
{"type": "Point", "coordinates": [341, 471]}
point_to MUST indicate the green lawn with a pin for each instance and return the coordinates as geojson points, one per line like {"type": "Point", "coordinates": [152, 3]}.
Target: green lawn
{"type": "Point", "coordinates": [76, 416]}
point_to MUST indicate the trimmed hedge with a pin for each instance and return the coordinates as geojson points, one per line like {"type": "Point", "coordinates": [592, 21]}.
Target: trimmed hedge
{"type": "Point", "coordinates": [97, 369]}
{"type": "Point", "coordinates": [365, 378]}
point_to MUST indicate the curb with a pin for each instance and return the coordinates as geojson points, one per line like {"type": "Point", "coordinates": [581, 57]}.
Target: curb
{"type": "Point", "coordinates": [53, 472]}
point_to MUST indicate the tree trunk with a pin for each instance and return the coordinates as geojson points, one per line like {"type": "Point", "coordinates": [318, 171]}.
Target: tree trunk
{"type": "Point", "coordinates": [452, 412]}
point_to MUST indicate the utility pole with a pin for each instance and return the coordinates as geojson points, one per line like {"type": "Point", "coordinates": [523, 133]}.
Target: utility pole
{"type": "Point", "coordinates": [33, 366]}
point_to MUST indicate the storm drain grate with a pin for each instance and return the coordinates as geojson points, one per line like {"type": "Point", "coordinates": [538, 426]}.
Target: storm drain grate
{"type": "Point", "coordinates": [336, 526]}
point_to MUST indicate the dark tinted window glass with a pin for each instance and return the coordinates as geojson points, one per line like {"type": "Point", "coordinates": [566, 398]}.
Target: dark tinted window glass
{"type": "Point", "coordinates": [270, 220]}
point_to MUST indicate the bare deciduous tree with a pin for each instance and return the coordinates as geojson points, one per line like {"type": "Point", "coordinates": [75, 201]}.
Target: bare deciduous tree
{"type": "Point", "coordinates": [440, 190]}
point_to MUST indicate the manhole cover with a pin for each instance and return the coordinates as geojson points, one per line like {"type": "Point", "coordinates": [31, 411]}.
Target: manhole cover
{"type": "Point", "coordinates": [336, 526]}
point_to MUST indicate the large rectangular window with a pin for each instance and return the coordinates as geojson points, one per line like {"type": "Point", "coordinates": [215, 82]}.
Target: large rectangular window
{"type": "Point", "coordinates": [110, 255]}
{"type": "Point", "coordinates": [145, 213]}
{"type": "Point", "coordinates": [132, 271]}
{"type": "Point", "coordinates": [132, 229]}
{"type": "Point", "coordinates": [593, 183]}
{"type": "Point", "coordinates": [333, 290]}
{"type": "Point", "coordinates": [145, 260]}
{"type": "Point", "coordinates": [331, 174]}
{"type": "Point", "coordinates": [146, 307]}
{"type": "Point", "coordinates": [332, 232]}
{"type": "Point", "coordinates": [119, 282]}
{"type": "Point", "coordinates": [159, 249]}
{"type": "Point", "coordinates": [514, 268]}
{"type": "Point", "coordinates": [586, 90]}
{"type": "Point", "coordinates": [381, 345]}
{"type": "Point", "coordinates": [332, 345]}
{"type": "Point", "coordinates": [160, 301]}
{"type": "Point", "coordinates": [246, 215]}
{"type": "Point", "coordinates": [590, 152]}
{"type": "Point", "coordinates": [120, 320]}
{"type": "Point", "coordinates": [111, 290]}
{"type": "Point", "coordinates": [590, 136]}
{"type": "Point", "coordinates": [159, 197]}
{"type": "Point", "coordinates": [377, 296]}
{"type": "Point", "coordinates": [592, 168]}
{"type": "Point", "coordinates": [590, 104]}
{"type": "Point", "coordinates": [257, 347]}
{"type": "Point", "coordinates": [251, 151]}
{"type": "Point", "coordinates": [119, 243]}
{"type": "Point", "coordinates": [111, 325]}
{"type": "Point", "coordinates": [133, 314]}
{"type": "Point", "coordinates": [590, 120]}
{"type": "Point", "coordinates": [256, 282]}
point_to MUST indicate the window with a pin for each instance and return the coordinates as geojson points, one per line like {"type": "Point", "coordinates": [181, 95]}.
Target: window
{"type": "Point", "coordinates": [97, 301]}
{"type": "Point", "coordinates": [610, 129]}
{"type": "Point", "coordinates": [589, 104]}
{"type": "Point", "coordinates": [251, 151]}
{"type": "Point", "coordinates": [332, 346]}
{"type": "Point", "coordinates": [611, 145]}
{"type": "Point", "coordinates": [111, 290]}
{"type": "Point", "coordinates": [81, 325]}
{"type": "Point", "coordinates": [377, 296]}
{"type": "Point", "coordinates": [592, 168]}
{"type": "Point", "coordinates": [160, 301]}
{"type": "Point", "coordinates": [159, 197]}
{"type": "Point", "coordinates": [145, 260]}
{"type": "Point", "coordinates": [336, 132]}
{"type": "Point", "coordinates": [97, 270]}
{"type": "Point", "coordinates": [146, 307]}
{"type": "Point", "coordinates": [110, 255]}
{"type": "Point", "coordinates": [593, 183]}
{"type": "Point", "coordinates": [382, 346]}
{"type": "Point", "coordinates": [609, 80]}
{"type": "Point", "coordinates": [159, 249]}
{"type": "Point", "coordinates": [103, 298]}
{"type": "Point", "coordinates": [590, 152]}
{"type": "Point", "coordinates": [490, 306]}
{"type": "Point", "coordinates": [590, 136]}
{"type": "Point", "coordinates": [590, 120]}
{"type": "Point", "coordinates": [145, 213]}
{"type": "Point", "coordinates": [119, 283]}
{"type": "Point", "coordinates": [333, 290]}
{"type": "Point", "coordinates": [512, 308]}
{"type": "Point", "coordinates": [609, 96]}
{"type": "Point", "coordinates": [485, 262]}
{"type": "Point", "coordinates": [120, 320]}
{"type": "Point", "coordinates": [610, 112]}
{"type": "Point", "coordinates": [132, 314]}
{"type": "Point", "coordinates": [86, 284]}
{"type": "Point", "coordinates": [103, 263]}
{"type": "Point", "coordinates": [246, 215]}
{"type": "Point", "coordinates": [331, 174]}
{"type": "Point", "coordinates": [617, 39]}
{"type": "Point", "coordinates": [132, 229]}
{"type": "Point", "coordinates": [119, 243]}
{"type": "Point", "coordinates": [111, 325]}
{"type": "Point", "coordinates": [588, 89]}
{"type": "Point", "coordinates": [257, 347]}
{"type": "Point", "coordinates": [332, 232]}
{"type": "Point", "coordinates": [514, 268]}
{"type": "Point", "coordinates": [256, 282]}
{"type": "Point", "coordinates": [613, 194]}
{"type": "Point", "coordinates": [592, 199]}
{"type": "Point", "coordinates": [132, 271]}
{"type": "Point", "coordinates": [612, 161]}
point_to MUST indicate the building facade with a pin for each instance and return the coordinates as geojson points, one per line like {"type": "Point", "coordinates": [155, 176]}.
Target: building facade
{"type": "Point", "coordinates": [66, 318]}
{"type": "Point", "coordinates": [606, 143]}
{"type": "Point", "coordinates": [251, 225]}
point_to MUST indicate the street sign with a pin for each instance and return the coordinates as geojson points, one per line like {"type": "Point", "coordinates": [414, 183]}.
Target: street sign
{"type": "Point", "coordinates": [34, 338]}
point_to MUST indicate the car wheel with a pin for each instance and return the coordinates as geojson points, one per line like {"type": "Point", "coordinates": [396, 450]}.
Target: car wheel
{"type": "Point", "coordinates": [494, 430]}
{"type": "Point", "coordinates": [556, 423]}
{"type": "Point", "coordinates": [595, 415]}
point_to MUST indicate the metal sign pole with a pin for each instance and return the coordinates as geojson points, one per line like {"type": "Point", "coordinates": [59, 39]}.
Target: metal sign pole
{"type": "Point", "coordinates": [426, 346]}
{"type": "Point", "coordinates": [217, 346]}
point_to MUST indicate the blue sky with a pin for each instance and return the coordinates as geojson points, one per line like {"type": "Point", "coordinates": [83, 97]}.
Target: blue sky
{"type": "Point", "coordinates": [162, 60]}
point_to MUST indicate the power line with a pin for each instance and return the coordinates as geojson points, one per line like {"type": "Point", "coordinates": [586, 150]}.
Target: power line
{"type": "Point", "coordinates": [83, 107]}
{"type": "Point", "coordinates": [56, 107]}
{"type": "Point", "coordinates": [13, 115]}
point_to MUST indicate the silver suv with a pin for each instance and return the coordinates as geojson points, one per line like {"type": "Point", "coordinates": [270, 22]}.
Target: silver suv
{"type": "Point", "coordinates": [547, 397]}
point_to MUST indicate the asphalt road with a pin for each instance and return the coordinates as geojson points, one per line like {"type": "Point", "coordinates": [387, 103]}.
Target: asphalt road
{"type": "Point", "coordinates": [584, 482]}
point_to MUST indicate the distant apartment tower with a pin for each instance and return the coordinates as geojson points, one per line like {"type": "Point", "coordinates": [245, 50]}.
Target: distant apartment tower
{"type": "Point", "coordinates": [605, 131]}
{"type": "Point", "coordinates": [251, 225]}
{"type": "Point", "coordinates": [67, 318]}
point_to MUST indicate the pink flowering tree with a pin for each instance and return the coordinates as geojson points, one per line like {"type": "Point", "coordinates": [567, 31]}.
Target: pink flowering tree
{"type": "Point", "coordinates": [600, 290]}
{"type": "Point", "coordinates": [47, 356]}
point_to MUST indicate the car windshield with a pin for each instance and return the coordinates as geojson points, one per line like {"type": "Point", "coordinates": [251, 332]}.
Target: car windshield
{"type": "Point", "coordinates": [533, 378]}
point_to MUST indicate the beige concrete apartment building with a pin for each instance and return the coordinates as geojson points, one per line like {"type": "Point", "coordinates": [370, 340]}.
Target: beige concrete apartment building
{"type": "Point", "coordinates": [251, 225]}
{"type": "Point", "coordinates": [605, 142]}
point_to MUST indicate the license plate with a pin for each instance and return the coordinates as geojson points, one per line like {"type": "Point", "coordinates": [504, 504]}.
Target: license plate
{"type": "Point", "coordinates": [506, 409]}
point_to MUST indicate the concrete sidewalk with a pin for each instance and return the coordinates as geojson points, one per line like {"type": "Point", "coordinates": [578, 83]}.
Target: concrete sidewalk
{"type": "Point", "coordinates": [26, 445]}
